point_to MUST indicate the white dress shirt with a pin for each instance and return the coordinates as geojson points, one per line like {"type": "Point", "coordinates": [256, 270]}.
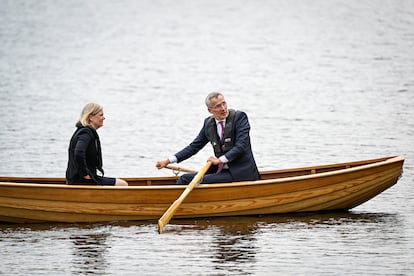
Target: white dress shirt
{"type": "Point", "coordinates": [222, 158]}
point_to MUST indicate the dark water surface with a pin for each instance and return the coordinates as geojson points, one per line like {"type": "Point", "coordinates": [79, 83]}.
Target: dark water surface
{"type": "Point", "coordinates": [322, 82]}
{"type": "Point", "coordinates": [334, 243]}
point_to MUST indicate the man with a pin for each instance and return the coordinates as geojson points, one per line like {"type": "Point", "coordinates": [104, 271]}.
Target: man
{"type": "Point", "coordinates": [228, 133]}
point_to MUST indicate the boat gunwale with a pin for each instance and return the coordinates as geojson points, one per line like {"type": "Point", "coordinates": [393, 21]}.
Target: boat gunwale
{"type": "Point", "coordinates": [371, 163]}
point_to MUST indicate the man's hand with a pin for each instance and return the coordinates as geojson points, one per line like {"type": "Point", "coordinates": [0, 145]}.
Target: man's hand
{"type": "Point", "coordinates": [162, 163]}
{"type": "Point", "coordinates": [214, 160]}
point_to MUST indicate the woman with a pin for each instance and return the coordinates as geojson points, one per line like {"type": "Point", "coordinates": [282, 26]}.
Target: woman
{"type": "Point", "coordinates": [85, 156]}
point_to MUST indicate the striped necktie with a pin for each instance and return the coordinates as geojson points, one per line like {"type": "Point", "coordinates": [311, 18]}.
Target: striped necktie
{"type": "Point", "coordinates": [222, 131]}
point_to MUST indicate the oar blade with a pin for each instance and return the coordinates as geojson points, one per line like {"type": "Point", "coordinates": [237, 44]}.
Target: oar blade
{"type": "Point", "coordinates": [166, 217]}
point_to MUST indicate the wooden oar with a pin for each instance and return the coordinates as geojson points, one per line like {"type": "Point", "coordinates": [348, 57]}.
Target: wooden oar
{"type": "Point", "coordinates": [171, 210]}
{"type": "Point", "coordinates": [179, 168]}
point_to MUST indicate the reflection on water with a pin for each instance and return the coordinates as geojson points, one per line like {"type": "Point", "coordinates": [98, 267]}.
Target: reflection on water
{"type": "Point", "coordinates": [234, 245]}
{"type": "Point", "coordinates": [250, 225]}
{"type": "Point", "coordinates": [89, 253]}
{"type": "Point", "coordinates": [225, 246]}
{"type": "Point", "coordinates": [230, 225]}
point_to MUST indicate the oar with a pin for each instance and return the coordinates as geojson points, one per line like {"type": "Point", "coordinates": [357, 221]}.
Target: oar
{"type": "Point", "coordinates": [171, 210]}
{"type": "Point", "coordinates": [179, 168]}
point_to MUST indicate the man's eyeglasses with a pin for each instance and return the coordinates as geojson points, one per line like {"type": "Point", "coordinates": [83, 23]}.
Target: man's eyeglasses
{"type": "Point", "coordinates": [219, 106]}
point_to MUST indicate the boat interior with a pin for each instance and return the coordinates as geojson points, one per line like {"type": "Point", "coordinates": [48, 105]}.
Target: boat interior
{"type": "Point", "coordinates": [170, 180]}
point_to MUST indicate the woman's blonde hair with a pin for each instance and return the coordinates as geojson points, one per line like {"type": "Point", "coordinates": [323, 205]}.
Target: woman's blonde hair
{"type": "Point", "coordinates": [88, 110]}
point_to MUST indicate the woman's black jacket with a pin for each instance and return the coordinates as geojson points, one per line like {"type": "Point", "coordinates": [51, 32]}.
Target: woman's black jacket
{"type": "Point", "coordinates": [85, 155]}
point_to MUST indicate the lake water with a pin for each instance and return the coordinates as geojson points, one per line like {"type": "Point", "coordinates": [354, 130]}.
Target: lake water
{"type": "Point", "coordinates": [321, 81]}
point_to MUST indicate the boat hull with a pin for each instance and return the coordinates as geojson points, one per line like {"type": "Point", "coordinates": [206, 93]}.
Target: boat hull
{"type": "Point", "coordinates": [319, 188]}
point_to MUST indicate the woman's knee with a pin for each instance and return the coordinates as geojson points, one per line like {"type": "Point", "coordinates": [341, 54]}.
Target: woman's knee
{"type": "Point", "coordinates": [120, 182]}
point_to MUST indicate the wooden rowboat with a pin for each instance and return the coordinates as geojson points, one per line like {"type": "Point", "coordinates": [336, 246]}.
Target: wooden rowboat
{"type": "Point", "coordinates": [317, 188]}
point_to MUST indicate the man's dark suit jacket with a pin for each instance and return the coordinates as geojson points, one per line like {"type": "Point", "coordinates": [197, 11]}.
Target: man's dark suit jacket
{"type": "Point", "coordinates": [241, 165]}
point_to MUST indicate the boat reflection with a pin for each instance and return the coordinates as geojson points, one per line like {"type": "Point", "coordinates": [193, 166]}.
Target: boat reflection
{"type": "Point", "coordinates": [234, 246]}
{"type": "Point", "coordinates": [89, 254]}
{"type": "Point", "coordinates": [231, 225]}
{"type": "Point", "coordinates": [253, 224]}
{"type": "Point", "coordinates": [231, 245]}
{"type": "Point", "coordinates": [235, 239]}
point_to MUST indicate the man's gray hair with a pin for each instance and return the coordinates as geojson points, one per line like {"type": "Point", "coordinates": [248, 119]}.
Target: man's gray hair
{"type": "Point", "coordinates": [211, 96]}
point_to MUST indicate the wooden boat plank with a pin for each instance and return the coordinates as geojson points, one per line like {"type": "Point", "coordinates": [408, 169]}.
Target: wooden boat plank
{"type": "Point", "coordinates": [311, 197]}
{"type": "Point", "coordinates": [45, 216]}
{"type": "Point", "coordinates": [336, 200]}
{"type": "Point", "coordinates": [264, 188]}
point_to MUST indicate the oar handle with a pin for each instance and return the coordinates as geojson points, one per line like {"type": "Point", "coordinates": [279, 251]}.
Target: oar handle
{"type": "Point", "coordinates": [171, 210]}
{"type": "Point", "coordinates": [179, 168]}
